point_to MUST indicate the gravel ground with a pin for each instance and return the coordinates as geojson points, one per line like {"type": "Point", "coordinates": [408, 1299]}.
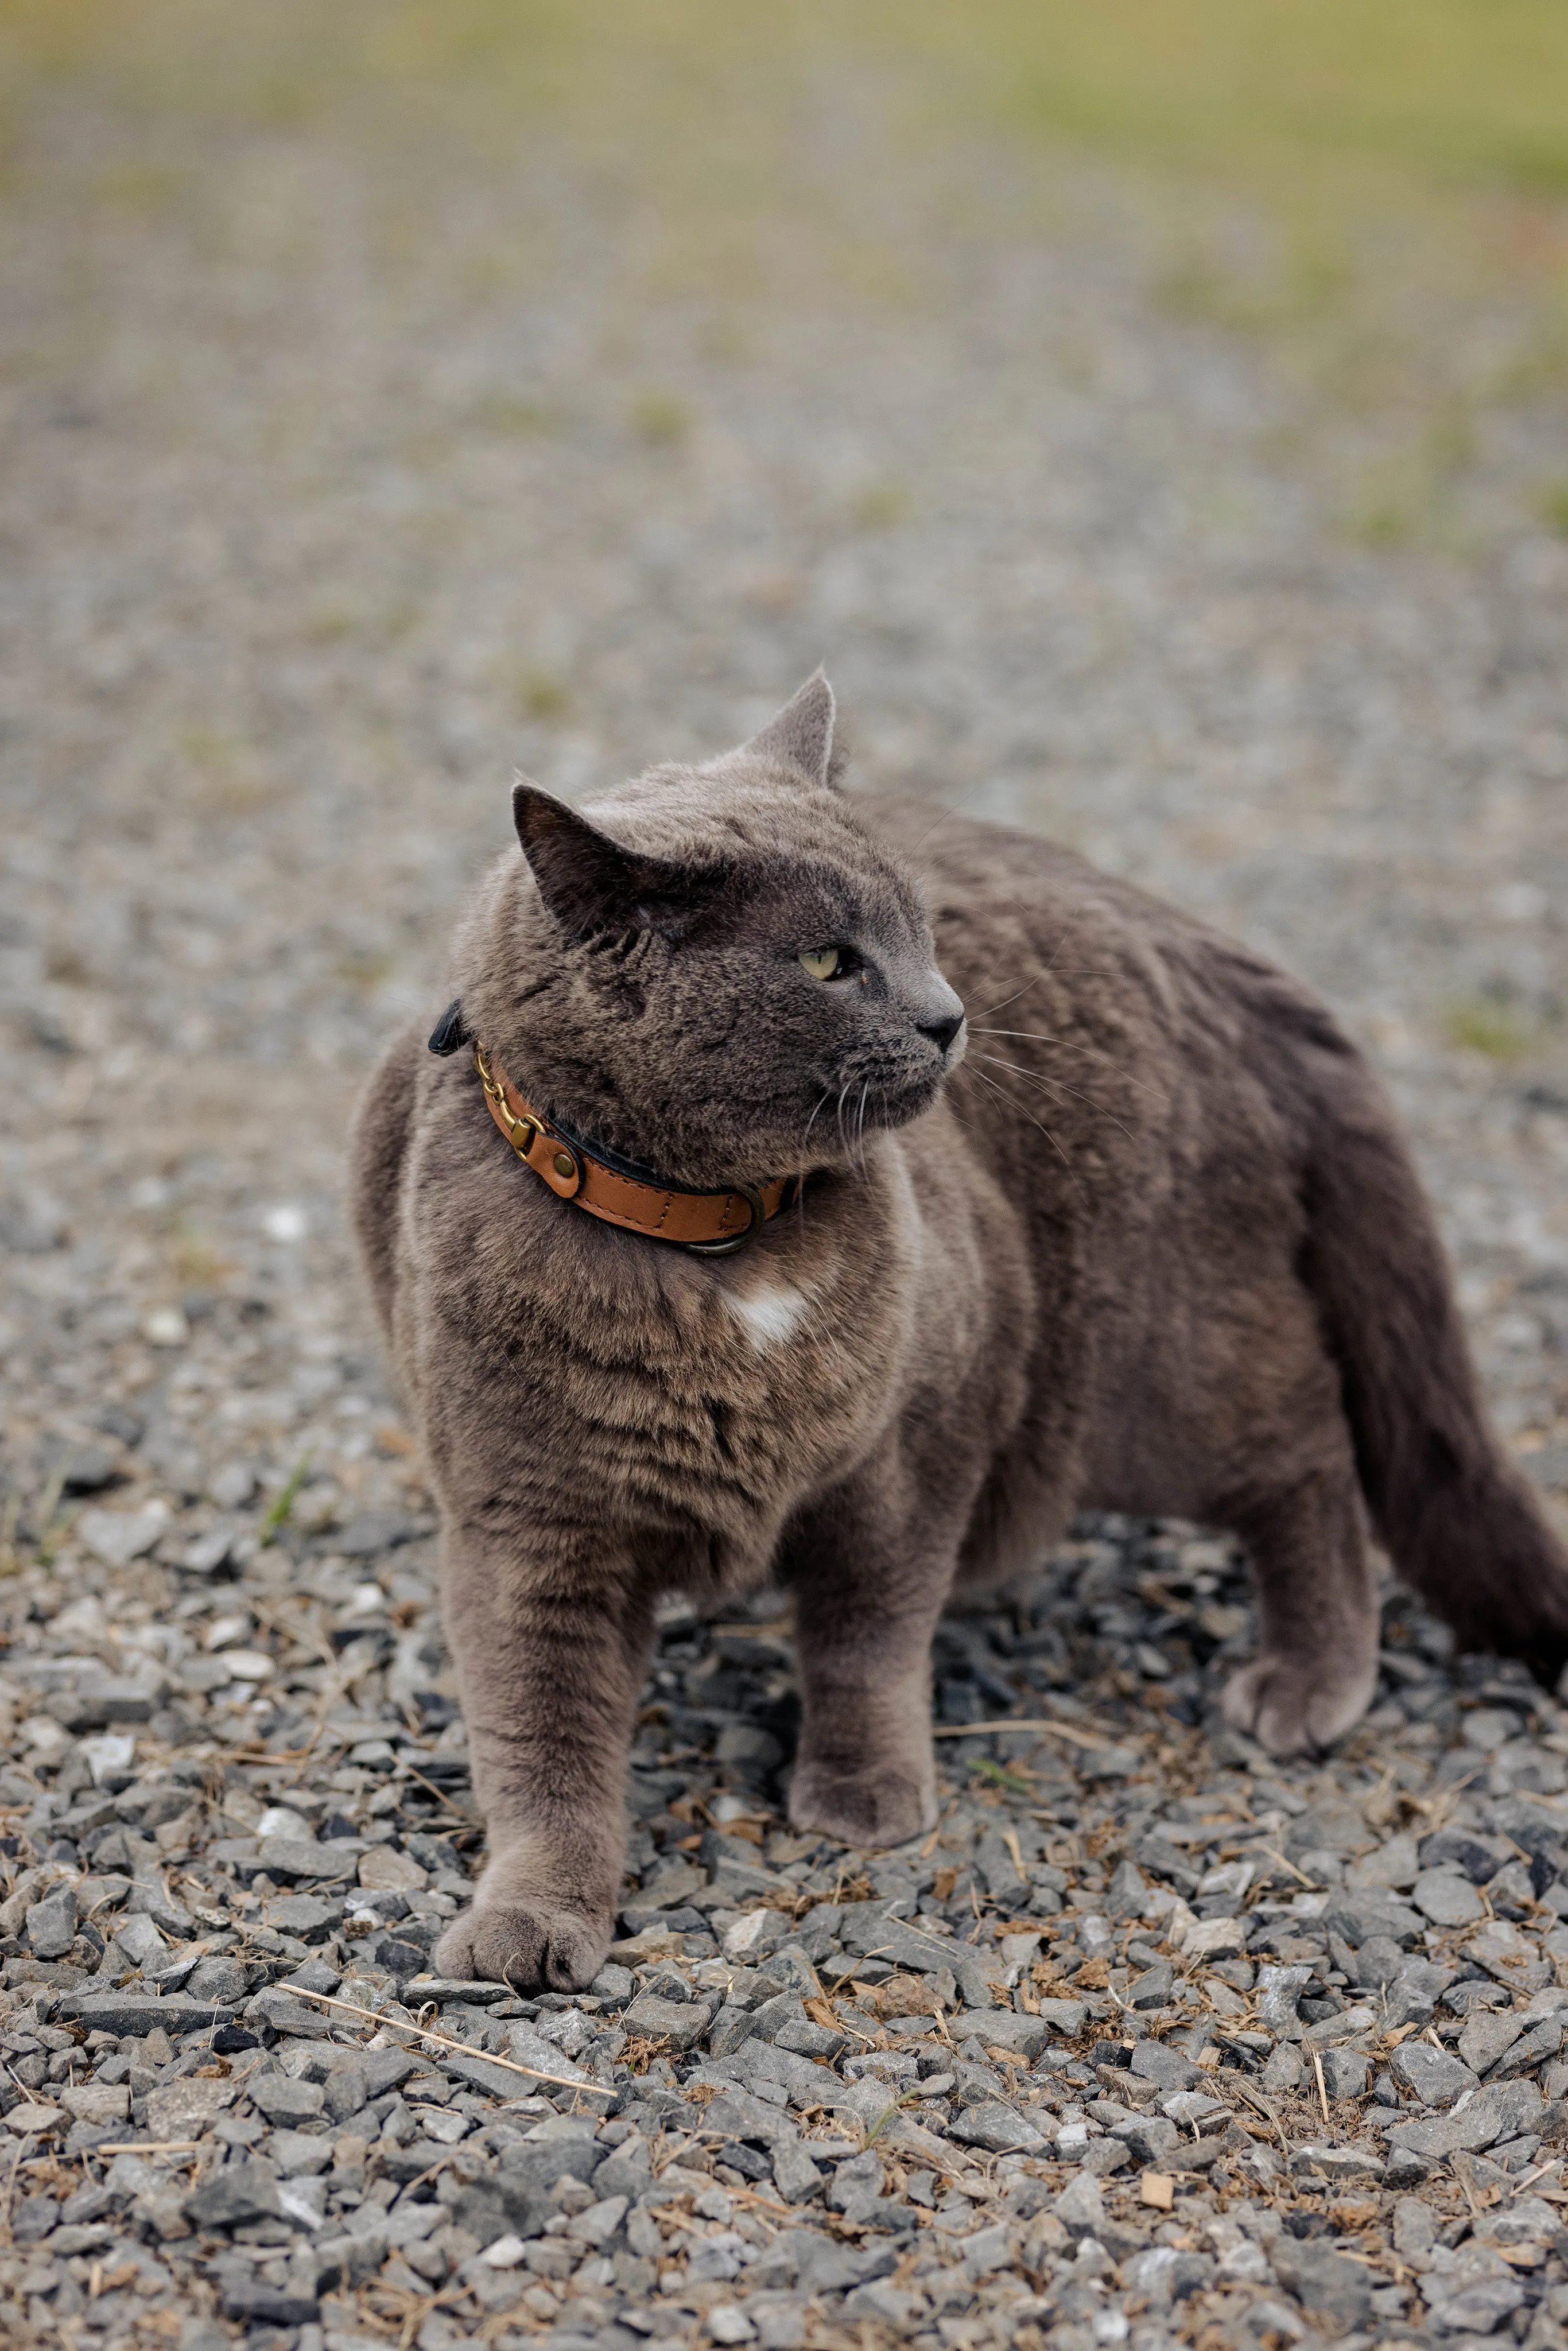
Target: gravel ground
{"type": "Point", "coordinates": [1150, 2038]}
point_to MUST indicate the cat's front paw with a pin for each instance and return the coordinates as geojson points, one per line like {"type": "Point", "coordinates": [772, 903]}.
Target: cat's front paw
{"type": "Point", "coordinates": [532, 1946]}
{"type": "Point", "coordinates": [883, 1807]}
{"type": "Point", "coordinates": [1295, 1707]}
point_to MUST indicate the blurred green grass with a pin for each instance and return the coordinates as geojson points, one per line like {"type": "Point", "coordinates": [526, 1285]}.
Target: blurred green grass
{"type": "Point", "coordinates": [1378, 197]}
{"type": "Point", "coordinates": [1471, 92]}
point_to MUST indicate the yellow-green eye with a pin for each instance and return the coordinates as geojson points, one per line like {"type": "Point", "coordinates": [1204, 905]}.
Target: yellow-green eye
{"type": "Point", "coordinates": [820, 962]}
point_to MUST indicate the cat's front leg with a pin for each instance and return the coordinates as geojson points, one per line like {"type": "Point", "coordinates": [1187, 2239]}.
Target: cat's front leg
{"type": "Point", "coordinates": [867, 1599]}
{"type": "Point", "coordinates": [550, 1648]}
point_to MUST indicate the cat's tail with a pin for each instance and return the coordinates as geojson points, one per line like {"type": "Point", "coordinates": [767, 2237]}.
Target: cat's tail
{"type": "Point", "coordinates": [1457, 1517]}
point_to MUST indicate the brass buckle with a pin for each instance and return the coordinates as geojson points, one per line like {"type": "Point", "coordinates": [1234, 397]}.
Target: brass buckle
{"type": "Point", "coordinates": [521, 1133]}
{"type": "Point", "coordinates": [734, 1241]}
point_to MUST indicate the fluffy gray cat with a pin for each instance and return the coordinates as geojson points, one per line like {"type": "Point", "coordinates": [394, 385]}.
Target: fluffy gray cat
{"type": "Point", "coordinates": [713, 1245]}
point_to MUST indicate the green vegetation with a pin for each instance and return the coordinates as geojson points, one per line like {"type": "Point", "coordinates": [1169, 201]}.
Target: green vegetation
{"type": "Point", "coordinates": [1011, 1782]}
{"type": "Point", "coordinates": [661, 420]}
{"type": "Point", "coordinates": [276, 1518]}
{"type": "Point", "coordinates": [1458, 93]}
{"type": "Point", "coordinates": [1498, 1026]}
{"type": "Point", "coordinates": [882, 506]}
{"type": "Point", "coordinates": [542, 696]}
{"type": "Point", "coordinates": [1378, 196]}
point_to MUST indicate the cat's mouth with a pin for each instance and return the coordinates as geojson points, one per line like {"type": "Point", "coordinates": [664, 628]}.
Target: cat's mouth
{"type": "Point", "coordinates": [878, 1099]}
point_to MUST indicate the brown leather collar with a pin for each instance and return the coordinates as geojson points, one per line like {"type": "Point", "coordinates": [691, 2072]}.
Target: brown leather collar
{"type": "Point", "coordinates": [713, 1224]}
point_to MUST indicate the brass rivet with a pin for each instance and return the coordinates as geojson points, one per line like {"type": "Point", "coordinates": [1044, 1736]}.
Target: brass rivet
{"type": "Point", "coordinates": [565, 1164]}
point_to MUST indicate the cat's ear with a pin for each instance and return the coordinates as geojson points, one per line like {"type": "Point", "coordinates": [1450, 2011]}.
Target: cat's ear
{"type": "Point", "coordinates": [801, 733]}
{"type": "Point", "coordinates": [590, 883]}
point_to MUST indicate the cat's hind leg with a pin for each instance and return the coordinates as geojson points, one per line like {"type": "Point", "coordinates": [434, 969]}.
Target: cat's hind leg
{"type": "Point", "coordinates": [1316, 1667]}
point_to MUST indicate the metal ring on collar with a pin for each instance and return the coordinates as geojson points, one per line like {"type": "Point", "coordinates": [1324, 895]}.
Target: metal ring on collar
{"type": "Point", "coordinates": [734, 1241]}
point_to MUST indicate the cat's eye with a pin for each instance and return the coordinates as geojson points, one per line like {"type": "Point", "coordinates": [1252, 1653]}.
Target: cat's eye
{"type": "Point", "coordinates": [821, 963]}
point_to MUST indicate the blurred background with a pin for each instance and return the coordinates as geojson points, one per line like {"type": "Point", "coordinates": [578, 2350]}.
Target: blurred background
{"type": "Point", "coordinates": [1154, 418]}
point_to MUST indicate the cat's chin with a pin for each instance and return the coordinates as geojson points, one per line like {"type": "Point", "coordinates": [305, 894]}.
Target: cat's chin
{"type": "Point", "coordinates": [896, 1110]}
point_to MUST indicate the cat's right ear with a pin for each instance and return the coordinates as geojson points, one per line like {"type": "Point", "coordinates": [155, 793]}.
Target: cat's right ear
{"type": "Point", "coordinates": [590, 883]}
{"type": "Point", "coordinates": [801, 736]}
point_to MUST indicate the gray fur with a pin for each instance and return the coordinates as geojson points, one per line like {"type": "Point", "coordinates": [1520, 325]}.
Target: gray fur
{"type": "Point", "coordinates": [1143, 1237]}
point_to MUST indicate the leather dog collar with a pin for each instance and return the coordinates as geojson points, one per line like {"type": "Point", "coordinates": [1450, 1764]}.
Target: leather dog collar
{"type": "Point", "coordinates": [711, 1223]}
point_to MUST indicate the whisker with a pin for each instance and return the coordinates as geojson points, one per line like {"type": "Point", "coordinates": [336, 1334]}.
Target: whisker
{"type": "Point", "coordinates": [811, 1120]}
{"type": "Point", "coordinates": [987, 1009]}
{"type": "Point", "coordinates": [839, 1117]}
{"type": "Point", "coordinates": [1002, 1094]}
{"type": "Point", "coordinates": [1033, 1078]}
{"type": "Point", "coordinates": [962, 802]}
{"type": "Point", "coordinates": [1060, 970]}
{"type": "Point", "coordinates": [1087, 1050]}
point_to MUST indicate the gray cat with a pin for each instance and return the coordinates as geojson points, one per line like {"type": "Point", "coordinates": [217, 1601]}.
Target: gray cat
{"type": "Point", "coordinates": [713, 1245]}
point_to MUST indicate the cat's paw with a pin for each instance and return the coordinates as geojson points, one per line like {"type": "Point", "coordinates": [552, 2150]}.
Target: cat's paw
{"type": "Point", "coordinates": [1294, 1707]}
{"type": "Point", "coordinates": [868, 1808]}
{"type": "Point", "coordinates": [532, 1946]}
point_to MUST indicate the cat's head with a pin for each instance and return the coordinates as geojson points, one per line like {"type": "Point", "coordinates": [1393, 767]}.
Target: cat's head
{"type": "Point", "coordinates": [717, 969]}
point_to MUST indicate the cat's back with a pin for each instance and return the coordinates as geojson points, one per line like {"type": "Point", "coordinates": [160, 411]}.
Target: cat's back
{"type": "Point", "coordinates": [383, 1124]}
{"type": "Point", "coordinates": [988, 884]}
{"type": "Point", "coordinates": [1013, 911]}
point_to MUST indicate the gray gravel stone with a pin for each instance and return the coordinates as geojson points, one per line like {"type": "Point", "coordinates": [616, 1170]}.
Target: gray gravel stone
{"type": "Point", "coordinates": [994, 2127]}
{"type": "Point", "coordinates": [237, 2195]}
{"type": "Point", "coordinates": [52, 1923]}
{"type": "Point", "coordinates": [283, 2099]}
{"type": "Point", "coordinates": [1496, 2112]}
{"type": "Point", "coordinates": [137, 2014]}
{"type": "Point", "coordinates": [1344, 2073]}
{"type": "Point", "coordinates": [680, 2022]}
{"type": "Point", "coordinates": [1486, 2035]}
{"type": "Point", "coordinates": [1432, 2074]}
{"type": "Point", "coordinates": [1153, 2060]}
{"type": "Point", "coordinates": [1446, 1898]}
{"type": "Point", "coordinates": [1327, 2285]}
{"type": "Point", "coordinates": [229, 1683]}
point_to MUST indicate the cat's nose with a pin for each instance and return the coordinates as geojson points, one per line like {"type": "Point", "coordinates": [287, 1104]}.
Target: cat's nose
{"type": "Point", "coordinates": [942, 1032]}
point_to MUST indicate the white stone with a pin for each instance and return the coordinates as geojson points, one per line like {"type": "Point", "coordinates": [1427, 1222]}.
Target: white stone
{"type": "Point", "coordinates": [165, 1326]}
{"type": "Point", "coordinates": [47, 1739]}
{"type": "Point", "coordinates": [751, 1931]}
{"type": "Point", "coordinates": [85, 1620]}
{"type": "Point", "coordinates": [386, 1872]}
{"type": "Point", "coordinates": [1214, 1938]}
{"type": "Point", "coordinates": [727, 2323]}
{"type": "Point", "coordinates": [117, 1537]}
{"type": "Point", "coordinates": [1489, 1726]}
{"type": "Point", "coordinates": [96, 2102]}
{"type": "Point", "coordinates": [107, 1754]}
{"type": "Point", "coordinates": [504, 2254]}
{"type": "Point", "coordinates": [223, 1632]}
{"type": "Point", "coordinates": [278, 1821]}
{"type": "Point", "coordinates": [248, 1664]}
{"type": "Point", "coordinates": [34, 2122]}
{"type": "Point", "coordinates": [1245, 2265]}
{"type": "Point", "coordinates": [1231, 1877]}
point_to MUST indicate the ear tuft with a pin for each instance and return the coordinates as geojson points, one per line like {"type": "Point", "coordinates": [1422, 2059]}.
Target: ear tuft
{"type": "Point", "coordinates": [801, 733]}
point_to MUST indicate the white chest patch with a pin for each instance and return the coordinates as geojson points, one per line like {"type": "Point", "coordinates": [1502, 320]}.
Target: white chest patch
{"type": "Point", "coordinates": [769, 1316]}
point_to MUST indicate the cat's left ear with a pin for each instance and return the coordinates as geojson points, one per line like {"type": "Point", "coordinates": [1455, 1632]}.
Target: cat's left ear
{"type": "Point", "coordinates": [801, 733]}
{"type": "Point", "coordinates": [590, 883]}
